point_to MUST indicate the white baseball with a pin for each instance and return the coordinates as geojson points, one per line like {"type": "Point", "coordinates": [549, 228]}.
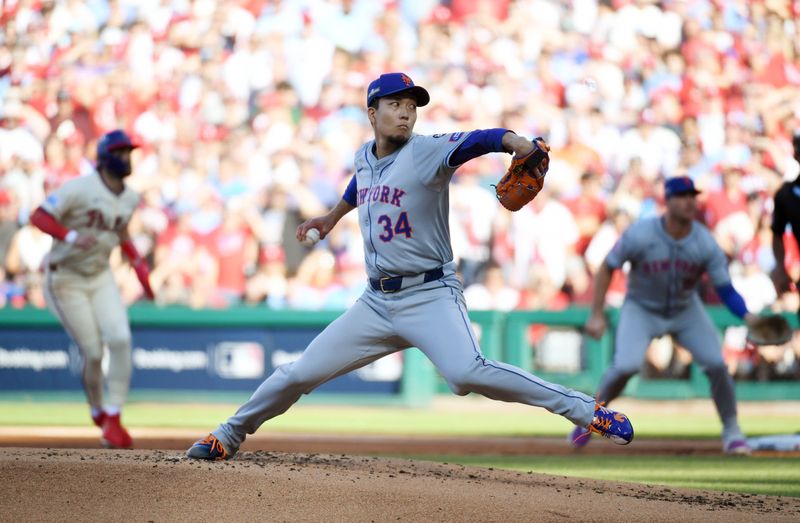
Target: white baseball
{"type": "Point", "coordinates": [311, 239]}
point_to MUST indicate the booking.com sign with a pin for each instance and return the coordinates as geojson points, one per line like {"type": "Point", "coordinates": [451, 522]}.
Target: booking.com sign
{"type": "Point", "coordinates": [196, 359]}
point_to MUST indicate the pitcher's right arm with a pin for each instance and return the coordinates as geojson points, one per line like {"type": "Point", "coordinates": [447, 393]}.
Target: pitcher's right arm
{"type": "Point", "coordinates": [325, 224]}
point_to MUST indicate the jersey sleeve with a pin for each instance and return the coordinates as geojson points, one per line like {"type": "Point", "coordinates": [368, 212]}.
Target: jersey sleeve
{"type": "Point", "coordinates": [478, 143]}
{"type": "Point", "coordinates": [59, 202]}
{"type": "Point", "coordinates": [623, 250]}
{"type": "Point", "coordinates": [350, 193]}
{"type": "Point", "coordinates": [717, 264]}
{"type": "Point", "coordinates": [432, 155]}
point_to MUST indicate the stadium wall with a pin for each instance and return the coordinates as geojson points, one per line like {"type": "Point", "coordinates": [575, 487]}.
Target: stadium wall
{"type": "Point", "coordinates": [180, 352]}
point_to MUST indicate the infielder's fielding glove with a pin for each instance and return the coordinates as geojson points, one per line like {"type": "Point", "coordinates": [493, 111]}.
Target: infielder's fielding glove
{"type": "Point", "coordinates": [524, 178]}
{"type": "Point", "coordinates": [769, 330]}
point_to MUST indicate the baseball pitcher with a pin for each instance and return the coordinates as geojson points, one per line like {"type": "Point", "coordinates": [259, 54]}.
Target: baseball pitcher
{"type": "Point", "coordinates": [400, 188]}
{"type": "Point", "coordinates": [88, 216]}
{"type": "Point", "coordinates": [668, 255]}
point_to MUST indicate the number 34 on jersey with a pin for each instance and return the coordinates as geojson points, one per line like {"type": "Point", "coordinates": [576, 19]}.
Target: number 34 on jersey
{"type": "Point", "coordinates": [391, 229]}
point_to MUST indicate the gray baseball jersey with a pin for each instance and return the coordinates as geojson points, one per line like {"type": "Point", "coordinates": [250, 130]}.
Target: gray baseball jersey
{"type": "Point", "coordinates": [664, 271]}
{"type": "Point", "coordinates": [403, 205]}
{"type": "Point", "coordinates": [662, 299]}
{"type": "Point", "coordinates": [403, 211]}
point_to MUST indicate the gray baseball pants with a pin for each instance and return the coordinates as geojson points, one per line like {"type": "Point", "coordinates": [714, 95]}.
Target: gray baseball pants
{"type": "Point", "coordinates": [432, 317]}
{"type": "Point", "coordinates": [692, 328]}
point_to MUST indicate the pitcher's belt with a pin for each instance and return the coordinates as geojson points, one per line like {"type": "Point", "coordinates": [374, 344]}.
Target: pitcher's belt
{"type": "Point", "coordinates": [396, 283]}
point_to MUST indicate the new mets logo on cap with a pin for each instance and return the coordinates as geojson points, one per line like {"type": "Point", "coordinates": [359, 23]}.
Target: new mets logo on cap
{"type": "Point", "coordinates": [406, 80]}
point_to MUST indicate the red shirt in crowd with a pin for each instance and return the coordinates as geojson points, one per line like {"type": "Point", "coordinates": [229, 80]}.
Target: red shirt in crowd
{"type": "Point", "coordinates": [228, 247]}
{"type": "Point", "coordinates": [589, 212]}
{"type": "Point", "coordinates": [721, 204]}
{"type": "Point", "coordinates": [463, 9]}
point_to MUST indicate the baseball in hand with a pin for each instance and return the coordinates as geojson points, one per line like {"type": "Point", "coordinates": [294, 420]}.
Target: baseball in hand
{"type": "Point", "coordinates": [311, 239]}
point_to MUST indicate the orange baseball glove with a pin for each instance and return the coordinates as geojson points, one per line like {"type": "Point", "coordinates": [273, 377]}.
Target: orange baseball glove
{"type": "Point", "coordinates": [525, 177]}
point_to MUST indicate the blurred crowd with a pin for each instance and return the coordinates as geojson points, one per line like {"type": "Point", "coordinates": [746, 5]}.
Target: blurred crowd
{"type": "Point", "coordinates": [249, 112]}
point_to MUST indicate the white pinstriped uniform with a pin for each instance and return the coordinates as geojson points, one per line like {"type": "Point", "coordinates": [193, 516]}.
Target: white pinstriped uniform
{"type": "Point", "coordinates": [80, 288]}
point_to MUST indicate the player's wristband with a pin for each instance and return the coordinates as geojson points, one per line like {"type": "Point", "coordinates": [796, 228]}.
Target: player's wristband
{"type": "Point", "coordinates": [71, 236]}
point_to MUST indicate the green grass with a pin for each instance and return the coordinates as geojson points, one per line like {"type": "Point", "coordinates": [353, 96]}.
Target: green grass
{"type": "Point", "coordinates": [462, 420]}
{"type": "Point", "coordinates": [769, 476]}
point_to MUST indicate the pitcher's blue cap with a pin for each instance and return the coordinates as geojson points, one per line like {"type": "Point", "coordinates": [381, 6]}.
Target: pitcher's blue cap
{"type": "Point", "coordinates": [392, 83]}
{"type": "Point", "coordinates": [679, 186]}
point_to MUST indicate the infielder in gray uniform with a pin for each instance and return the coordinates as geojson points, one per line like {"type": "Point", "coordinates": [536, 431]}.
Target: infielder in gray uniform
{"type": "Point", "coordinates": [414, 299]}
{"type": "Point", "coordinates": [668, 255]}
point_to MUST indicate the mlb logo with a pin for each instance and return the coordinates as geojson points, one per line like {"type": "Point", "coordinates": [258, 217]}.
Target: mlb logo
{"type": "Point", "coordinates": [239, 360]}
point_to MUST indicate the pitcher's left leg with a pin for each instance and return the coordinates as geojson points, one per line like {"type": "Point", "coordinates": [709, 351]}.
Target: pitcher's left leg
{"type": "Point", "coordinates": [437, 323]}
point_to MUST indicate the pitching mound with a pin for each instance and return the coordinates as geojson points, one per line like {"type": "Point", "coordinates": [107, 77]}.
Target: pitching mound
{"type": "Point", "coordinates": [153, 485]}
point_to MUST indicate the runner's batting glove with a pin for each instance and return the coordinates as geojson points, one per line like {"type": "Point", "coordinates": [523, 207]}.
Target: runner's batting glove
{"type": "Point", "coordinates": [143, 273]}
{"type": "Point", "coordinates": [139, 265]}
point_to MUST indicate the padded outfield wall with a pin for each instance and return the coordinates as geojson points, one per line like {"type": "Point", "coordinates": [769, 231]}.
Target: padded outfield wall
{"type": "Point", "coordinates": [207, 355]}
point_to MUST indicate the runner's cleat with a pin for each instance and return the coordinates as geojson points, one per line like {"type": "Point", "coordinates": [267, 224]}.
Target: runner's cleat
{"type": "Point", "coordinates": [579, 437]}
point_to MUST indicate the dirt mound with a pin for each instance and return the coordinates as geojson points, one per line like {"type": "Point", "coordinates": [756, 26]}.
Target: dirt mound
{"type": "Point", "coordinates": [181, 439]}
{"type": "Point", "coordinates": [154, 485]}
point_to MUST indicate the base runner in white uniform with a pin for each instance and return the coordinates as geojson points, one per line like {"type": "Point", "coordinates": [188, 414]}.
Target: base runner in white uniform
{"type": "Point", "coordinates": [88, 216]}
{"type": "Point", "coordinates": [413, 299]}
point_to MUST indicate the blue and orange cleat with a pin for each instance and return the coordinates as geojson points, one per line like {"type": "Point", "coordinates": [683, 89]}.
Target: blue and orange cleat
{"type": "Point", "coordinates": [612, 425]}
{"type": "Point", "coordinates": [209, 448]}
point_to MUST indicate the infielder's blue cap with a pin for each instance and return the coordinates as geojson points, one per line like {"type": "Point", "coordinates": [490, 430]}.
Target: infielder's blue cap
{"type": "Point", "coordinates": [679, 186]}
{"type": "Point", "coordinates": [393, 83]}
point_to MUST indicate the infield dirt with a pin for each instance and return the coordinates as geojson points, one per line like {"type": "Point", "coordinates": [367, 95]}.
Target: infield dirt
{"type": "Point", "coordinates": [157, 485]}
